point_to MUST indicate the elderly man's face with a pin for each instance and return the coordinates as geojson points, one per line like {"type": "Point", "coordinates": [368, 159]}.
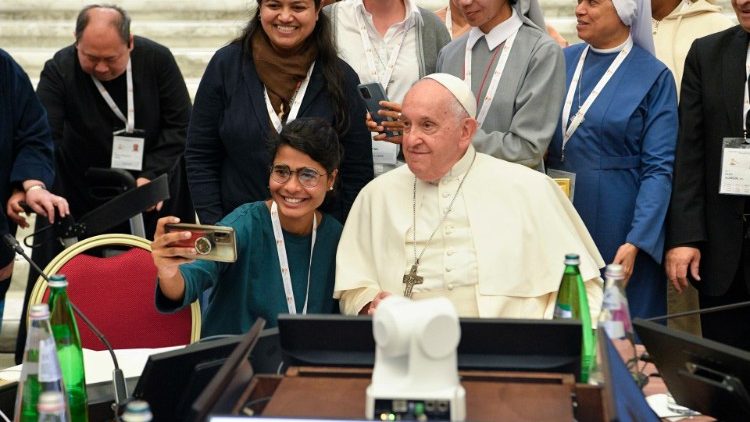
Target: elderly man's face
{"type": "Point", "coordinates": [435, 136]}
{"type": "Point", "coordinates": [102, 52]}
{"type": "Point", "coordinates": [742, 10]}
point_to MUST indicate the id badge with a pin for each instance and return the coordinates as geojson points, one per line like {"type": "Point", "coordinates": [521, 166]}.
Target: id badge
{"type": "Point", "coordinates": [566, 180]}
{"type": "Point", "coordinates": [384, 152]}
{"type": "Point", "coordinates": [735, 167]}
{"type": "Point", "coordinates": [127, 150]}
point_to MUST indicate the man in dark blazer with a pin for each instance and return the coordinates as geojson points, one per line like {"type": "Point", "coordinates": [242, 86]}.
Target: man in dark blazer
{"type": "Point", "coordinates": [708, 233]}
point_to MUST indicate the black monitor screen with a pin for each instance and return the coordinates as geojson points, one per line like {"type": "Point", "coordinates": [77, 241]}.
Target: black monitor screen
{"type": "Point", "coordinates": [701, 374]}
{"type": "Point", "coordinates": [168, 377]}
{"type": "Point", "coordinates": [224, 390]}
{"type": "Point", "coordinates": [492, 344]}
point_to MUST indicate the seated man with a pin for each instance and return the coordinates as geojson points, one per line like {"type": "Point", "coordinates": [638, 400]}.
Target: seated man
{"type": "Point", "coordinates": [490, 235]}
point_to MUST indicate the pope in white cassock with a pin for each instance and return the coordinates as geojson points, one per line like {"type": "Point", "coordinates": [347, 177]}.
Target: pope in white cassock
{"type": "Point", "coordinates": [490, 235]}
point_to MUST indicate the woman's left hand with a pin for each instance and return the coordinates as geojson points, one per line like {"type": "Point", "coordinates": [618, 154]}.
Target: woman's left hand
{"type": "Point", "coordinates": [625, 256]}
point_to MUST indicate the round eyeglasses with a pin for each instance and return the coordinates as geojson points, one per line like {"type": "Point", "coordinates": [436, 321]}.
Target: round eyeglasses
{"type": "Point", "coordinates": [307, 177]}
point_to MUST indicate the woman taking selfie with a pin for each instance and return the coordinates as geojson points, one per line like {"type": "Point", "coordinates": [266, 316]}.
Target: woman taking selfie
{"type": "Point", "coordinates": [286, 231]}
{"type": "Point", "coordinates": [284, 66]}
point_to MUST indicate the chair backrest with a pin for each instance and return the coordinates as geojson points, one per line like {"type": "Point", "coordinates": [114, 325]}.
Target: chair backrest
{"type": "Point", "coordinates": [117, 294]}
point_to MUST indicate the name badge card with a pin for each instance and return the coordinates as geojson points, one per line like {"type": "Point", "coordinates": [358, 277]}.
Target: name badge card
{"type": "Point", "coordinates": [735, 167]}
{"type": "Point", "coordinates": [384, 152]}
{"type": "Point", "coordinates": [562, 174]}
{"type": "Point", "coordinates": [127, 150]}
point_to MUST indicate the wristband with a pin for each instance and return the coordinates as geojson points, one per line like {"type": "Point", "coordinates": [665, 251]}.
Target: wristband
{"type": "Point", "coordinates": [35, 187]}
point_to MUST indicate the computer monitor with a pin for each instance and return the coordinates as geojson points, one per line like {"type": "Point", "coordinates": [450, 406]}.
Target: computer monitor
{"type": "Point", "coordinates": [224, 390]}
{"type": "Point", "coordinates": [622, 398]}
{"type": "Point", "coordinates": [489, 344]}
{"type": "Point", "coordinates": [702, 374]}
{"type": "Point", "coordinates": [169, 377]}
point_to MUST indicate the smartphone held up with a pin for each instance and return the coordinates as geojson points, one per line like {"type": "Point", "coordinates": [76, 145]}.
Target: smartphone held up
{"type": "Point", "coordinates": [212, 243]}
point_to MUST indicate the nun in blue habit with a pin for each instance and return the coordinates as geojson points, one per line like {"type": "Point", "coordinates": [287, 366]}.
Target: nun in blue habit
{"type": "Point", "coordinates": [617, 133]}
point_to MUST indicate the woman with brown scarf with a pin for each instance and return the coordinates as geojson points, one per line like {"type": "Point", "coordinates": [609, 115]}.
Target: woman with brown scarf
{"type": "Point", "coordinates": [283, 66]}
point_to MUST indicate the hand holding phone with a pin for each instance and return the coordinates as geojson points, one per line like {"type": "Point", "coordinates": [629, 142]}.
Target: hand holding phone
{"type": "Point", "coordinates": [386, 117]}
{"type": "Point", "coordinates": [212, 243]}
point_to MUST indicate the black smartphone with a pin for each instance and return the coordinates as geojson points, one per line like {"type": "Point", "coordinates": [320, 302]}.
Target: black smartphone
{"type": "Point", "coordinates": [212, 243]}
{"type": "Point", "coordinates": [373, 93]}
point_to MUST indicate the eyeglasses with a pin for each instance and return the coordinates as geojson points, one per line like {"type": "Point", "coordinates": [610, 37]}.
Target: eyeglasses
{"type": "Point", "coordinates": [307, 177]}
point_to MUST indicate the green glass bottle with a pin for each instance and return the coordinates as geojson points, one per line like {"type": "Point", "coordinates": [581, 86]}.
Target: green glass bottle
{"type": "Point", "coordinates": [41, 368]}
{"type": "Point", "coordinates": [69, 350]}
{"type": "Point", "coordinates": [572, 303]}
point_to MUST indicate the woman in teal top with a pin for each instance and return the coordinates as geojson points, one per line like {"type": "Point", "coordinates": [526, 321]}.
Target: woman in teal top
{"type": "Point", "coordinates": [305, 164]}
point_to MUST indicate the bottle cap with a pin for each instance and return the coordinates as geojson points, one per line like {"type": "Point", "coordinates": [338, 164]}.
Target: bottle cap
{"type": "Point", "coordinates": [51, 402]}
{"type": "Point", "coordinates": [39, 311]}
{"type": "Point", "coordinates": [572, 259]}
{"type": "Point", "coordinates": [137, 411]}
{"type": "Point", "coordinates": [58, 280]}
{"type": "Point", "coordinates": [614, 271]}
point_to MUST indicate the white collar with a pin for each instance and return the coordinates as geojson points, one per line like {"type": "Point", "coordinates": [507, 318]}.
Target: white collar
{"type": "Point", "coordinates": [498, 34]}
{"type": "Point", "coordinates": [462, 166]}
{"type": "Point", "coordinates": [616, 49]}
{"type": "Point", "coordinates": [412, 12]}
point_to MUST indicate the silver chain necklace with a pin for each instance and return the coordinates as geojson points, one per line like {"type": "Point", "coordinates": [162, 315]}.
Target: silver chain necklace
{"type": "Point", "coordinates": [412, 278]}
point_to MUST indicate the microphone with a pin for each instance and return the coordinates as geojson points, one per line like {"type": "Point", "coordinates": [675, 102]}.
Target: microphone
{"type": "Point", "coordinates": [701, 311]}
{"type": "Point", "coordinates": [118, 377]}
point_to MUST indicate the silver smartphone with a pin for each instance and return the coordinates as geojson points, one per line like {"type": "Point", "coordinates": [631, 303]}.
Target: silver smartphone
{"type": "Point", "coordinates": [211, 243]}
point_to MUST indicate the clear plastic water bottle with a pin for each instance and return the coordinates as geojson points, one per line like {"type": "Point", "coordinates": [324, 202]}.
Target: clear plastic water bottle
{"type": "Point", "coordinates": [137, 411]}
{"type": "Point", "coordinates": [69, 350]}
{"type": "Point", "coordinates": [615, 320]}
{"type": "Point", "coordinates": [52, 407]}
{"type": "Point", "coordinates": [41, 368]}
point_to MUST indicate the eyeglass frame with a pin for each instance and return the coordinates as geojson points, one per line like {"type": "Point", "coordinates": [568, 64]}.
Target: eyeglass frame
{"type": "Point", "coordinates": [296, 173]}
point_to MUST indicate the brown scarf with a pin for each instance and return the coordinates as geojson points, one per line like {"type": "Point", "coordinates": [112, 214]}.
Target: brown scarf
{"type": "Point", "coordinates": [280, 71]}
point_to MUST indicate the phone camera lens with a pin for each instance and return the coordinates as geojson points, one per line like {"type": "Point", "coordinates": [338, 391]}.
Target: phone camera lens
{"type": "Point", "coordinates": [365, 93]}
{"type": "Point", "coordinates": [202, 246]}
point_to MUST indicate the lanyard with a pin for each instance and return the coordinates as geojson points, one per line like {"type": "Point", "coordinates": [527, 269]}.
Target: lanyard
{"type": "Point", "coordinates": [284, 263]}
{"type": "Point", "coordinates": [370, 52]}
{"type": "Point", "coordinates": [294, 107]}
{"type": "Point", "coordinates": [449, 21]}
{"type": "Point", "coordinates": [130, 121]}
{"type": "Point", "coordinates": [746, 105]}
{"type": "Point", "coordinates": [569, 128]}
{"type": "Point", "coordinates": [495, 77]}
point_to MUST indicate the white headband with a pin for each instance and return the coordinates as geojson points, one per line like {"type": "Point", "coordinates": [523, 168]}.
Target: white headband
{"type": "Point", "coordinates": [637, 15]}
{"type": "Point", "coordinates": [459, 89]}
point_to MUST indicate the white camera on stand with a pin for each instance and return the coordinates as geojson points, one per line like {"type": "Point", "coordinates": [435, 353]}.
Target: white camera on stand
{"type": "Point", "coordinates": [416, 370]}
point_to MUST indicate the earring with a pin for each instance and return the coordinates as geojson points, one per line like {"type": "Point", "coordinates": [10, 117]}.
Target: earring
{"type": "Point", "coordinates": [331, 188]}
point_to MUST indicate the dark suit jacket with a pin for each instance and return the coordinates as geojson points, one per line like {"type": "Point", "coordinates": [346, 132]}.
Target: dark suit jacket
{"type": "Point", "coordinates": [227, 156]}
{"type": "Point", "coordinates": [711, 100]}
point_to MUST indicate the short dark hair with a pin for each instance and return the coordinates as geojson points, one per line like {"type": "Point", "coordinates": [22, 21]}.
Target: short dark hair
{"type": "Point", "coordinates": [312, 136]}
{"type": "Point", "coordinates": [122, 24]}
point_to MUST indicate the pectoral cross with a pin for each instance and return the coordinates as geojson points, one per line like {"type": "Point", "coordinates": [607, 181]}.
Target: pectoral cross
{"type": "Point", "coordinates": [410, 280]}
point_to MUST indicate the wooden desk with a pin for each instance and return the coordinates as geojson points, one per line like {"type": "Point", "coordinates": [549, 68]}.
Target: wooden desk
{"type": "Point", "coordinates": [490, 396]}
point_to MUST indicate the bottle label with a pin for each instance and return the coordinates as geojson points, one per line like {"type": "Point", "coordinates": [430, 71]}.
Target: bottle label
{"type": "Point", "coordinates": [611, 299]}
{"type": "Point", "coordinates": [49, 371]}
{"type": "Point", "coordinates": [614, 329]}
{"type": "Point", "coordinates": [563, 312]}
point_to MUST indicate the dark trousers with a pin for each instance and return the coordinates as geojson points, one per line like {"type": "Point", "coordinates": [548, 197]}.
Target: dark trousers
{"type": "Point", "coordinates": [730, 327]}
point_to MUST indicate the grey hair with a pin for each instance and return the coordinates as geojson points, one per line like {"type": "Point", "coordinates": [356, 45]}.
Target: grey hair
{"type": "Point", "coordinates": [122, 24]}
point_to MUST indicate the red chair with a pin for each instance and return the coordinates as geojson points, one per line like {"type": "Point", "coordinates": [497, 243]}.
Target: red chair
{"type": "Point", "coordinates": [117, 294]}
